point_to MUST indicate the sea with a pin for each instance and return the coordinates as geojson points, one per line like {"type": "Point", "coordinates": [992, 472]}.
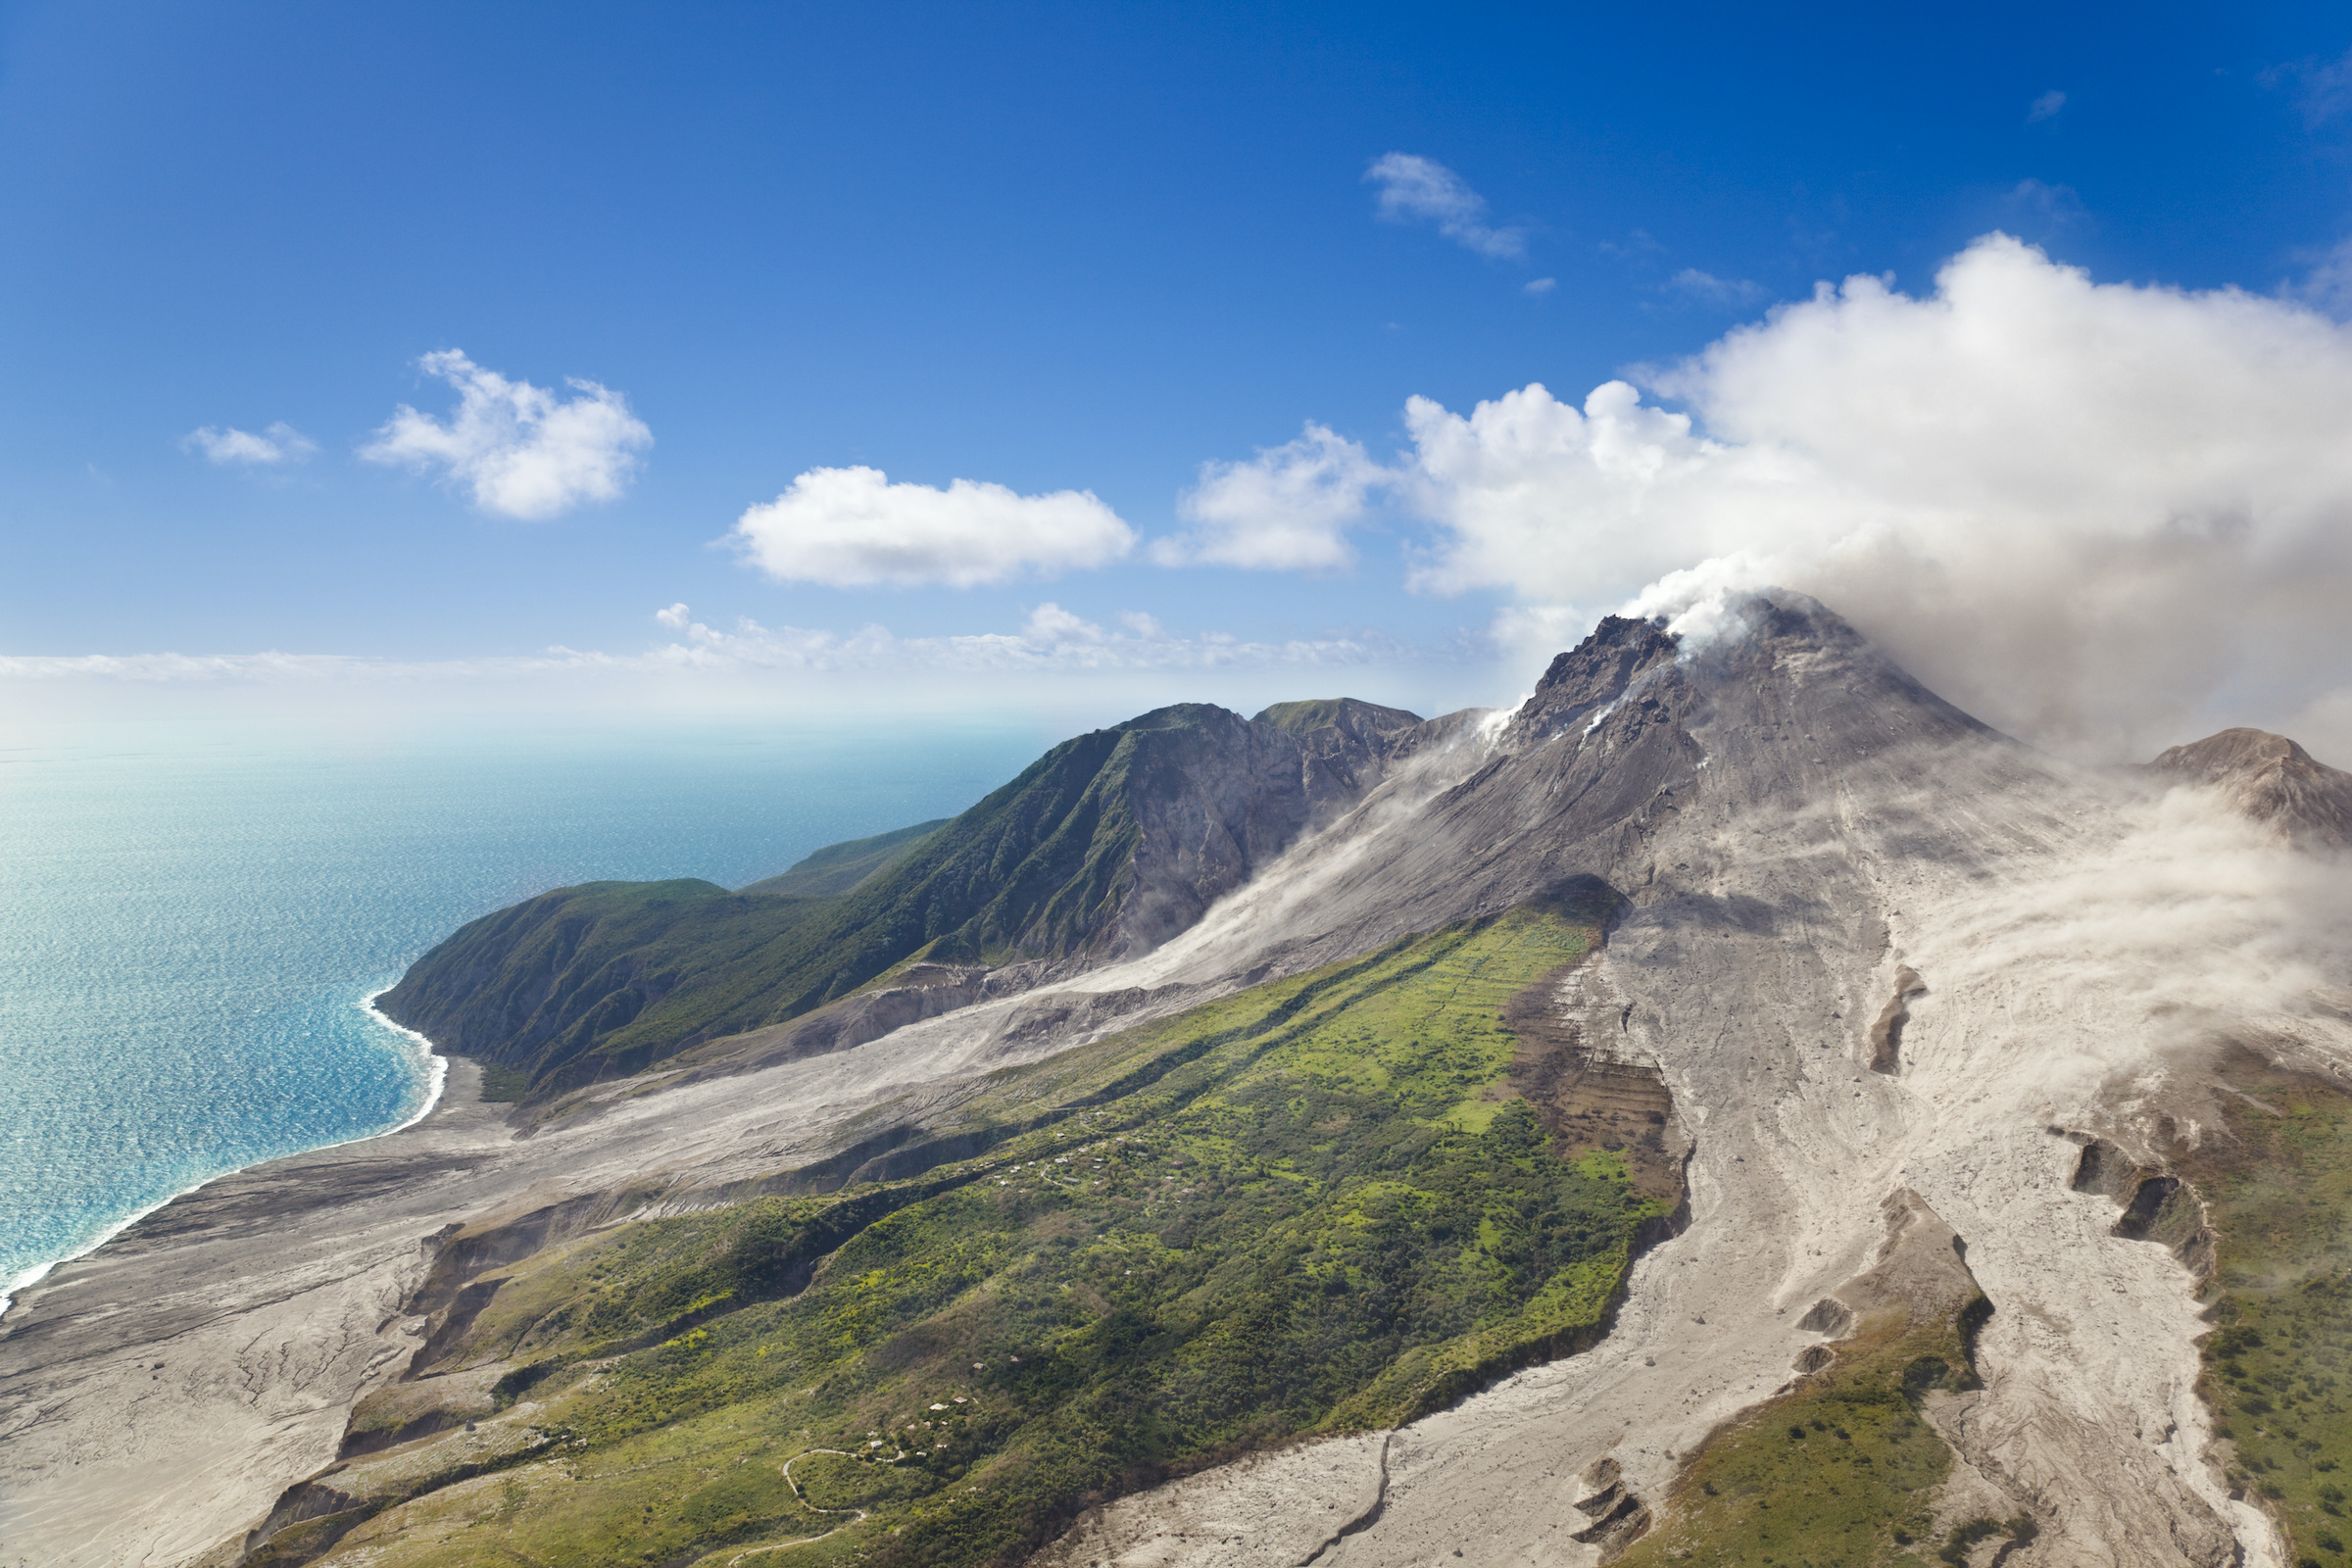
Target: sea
{"type": "Point", "coordinates": [191, 925]}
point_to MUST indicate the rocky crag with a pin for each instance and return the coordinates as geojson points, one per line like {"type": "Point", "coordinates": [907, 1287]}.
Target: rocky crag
{"type": "Point", "coordinates": [1733, 1108]}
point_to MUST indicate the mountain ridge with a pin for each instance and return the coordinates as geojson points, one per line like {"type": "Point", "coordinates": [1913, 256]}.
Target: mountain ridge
{"type": "Point", "coordinates": [1108, 844]}
{"type": "Point", "coordinates": [1779, 840]}
{"type": "Point", "coordinates": [841, 868]}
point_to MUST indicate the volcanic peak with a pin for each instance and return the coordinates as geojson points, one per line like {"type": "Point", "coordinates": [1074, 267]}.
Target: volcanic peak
{"type": "Point", "coordinates": [1589, 677]}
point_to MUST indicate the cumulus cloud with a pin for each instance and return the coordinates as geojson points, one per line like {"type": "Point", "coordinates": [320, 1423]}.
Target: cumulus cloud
{"type": "Point", "coordinates": [1415, 189]}
{"type": "Point", "coordinates": [1715, 290]}
{"type": "Point", "coordinates": [1289, 508]}
{"type": "Point", "coordinates": [522, 451]}
{"type": "Point", "coordinates": [851, 527]}
{"type": "Point", "coordinates": [275, 447]}
{"type": "Point", "coordinates": [2080, 510]}
{"type": "Point", "coordinates": [2046, 105]}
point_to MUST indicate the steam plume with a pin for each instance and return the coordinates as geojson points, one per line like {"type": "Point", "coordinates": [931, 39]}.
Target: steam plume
{"type": "Point", "coordinates": [2097, 515]}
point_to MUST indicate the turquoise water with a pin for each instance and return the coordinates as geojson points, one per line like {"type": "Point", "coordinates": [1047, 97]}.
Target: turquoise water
{"type": "Point", "coordinates": [188, 932]}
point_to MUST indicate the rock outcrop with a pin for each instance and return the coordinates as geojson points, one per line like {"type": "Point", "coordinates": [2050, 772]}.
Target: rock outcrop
{"type": "Point", "coordinates": [2271, 779]}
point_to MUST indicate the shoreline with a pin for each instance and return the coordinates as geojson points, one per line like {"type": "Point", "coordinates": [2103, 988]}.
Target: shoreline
{"type": "Point", "coordinates": [434, 1067]}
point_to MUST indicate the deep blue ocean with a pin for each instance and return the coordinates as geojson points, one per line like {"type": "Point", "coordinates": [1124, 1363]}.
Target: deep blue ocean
{"type": "Point", "coordinates": [190, 928]}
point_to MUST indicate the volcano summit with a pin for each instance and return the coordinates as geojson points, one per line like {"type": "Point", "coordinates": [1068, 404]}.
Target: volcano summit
{"type": "Point", "coordinates": [1734, 1107]}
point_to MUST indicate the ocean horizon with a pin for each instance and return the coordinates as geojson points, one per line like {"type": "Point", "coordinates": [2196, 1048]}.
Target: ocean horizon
{"type": "Point", "coordinates": [192, 930]}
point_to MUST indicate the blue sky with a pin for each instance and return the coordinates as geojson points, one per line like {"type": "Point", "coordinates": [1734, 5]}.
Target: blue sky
{"type": "Point", "coordinates": [1075, 249]}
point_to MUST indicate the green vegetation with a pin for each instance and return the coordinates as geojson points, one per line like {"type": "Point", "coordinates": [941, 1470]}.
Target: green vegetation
{"type": "Point", "coordinates": [1316, 1206]}
{"type": "Point", "coordinates": [1347, 714]}
{"type": "Point", "coordinates": [2277, 1192]}
{"type": "Point", "coordinates": [503, 1086]}
{"type": "Point", "coordinates": [1840, 1472]}
{"type": "Point", "coordinates": [840, 868]}
{"type": "Point", "coordinates": [601, 980]}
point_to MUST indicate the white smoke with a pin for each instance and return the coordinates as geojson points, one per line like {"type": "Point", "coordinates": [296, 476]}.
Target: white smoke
{"type": "Point", "coordinates": [2096, 515]}
{"type": "Point", "coordinates": [2081, 964]}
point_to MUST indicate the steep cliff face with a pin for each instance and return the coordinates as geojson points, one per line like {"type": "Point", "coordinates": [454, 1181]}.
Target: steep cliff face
{"type": "Point", "coordinates": [1585, 682]}
{"type": "Point", "coordinates": [1345, 745]}
{"type": "Point", "coordinates": [1104, 847]}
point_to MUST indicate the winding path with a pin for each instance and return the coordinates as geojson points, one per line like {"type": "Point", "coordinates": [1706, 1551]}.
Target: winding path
{"type": "Point", "coordinates": [805, 1541]}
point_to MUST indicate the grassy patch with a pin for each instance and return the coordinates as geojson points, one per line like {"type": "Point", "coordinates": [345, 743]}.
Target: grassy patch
{"type": "Point", "coordinates": [1312, 1206]}
{"type": "Point", "coordinates": [504, 1085]}
{"type": "Point", "coordinates": [1839, 1473]}
{"type": "Point", "coordinates": [2278, 1192]}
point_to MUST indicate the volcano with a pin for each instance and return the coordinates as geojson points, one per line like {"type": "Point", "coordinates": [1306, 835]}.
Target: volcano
{"type": "Point", "coordinates": [1732, 1108]}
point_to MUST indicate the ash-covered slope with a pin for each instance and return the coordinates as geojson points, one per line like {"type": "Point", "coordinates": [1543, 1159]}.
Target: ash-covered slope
{"type": "Point", "coordinates": [1827, 870]}
{"type": "Point", "coordinates": [1105, 847]}
{"type": "Point", "coordinates": [1598, 767]}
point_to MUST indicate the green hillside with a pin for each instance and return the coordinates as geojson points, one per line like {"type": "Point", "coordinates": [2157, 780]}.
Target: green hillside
{"type": "Point", "coordinates": [600, 981]}
{"type": "Point", "coordinates": [1313, 1207]}
{"type": "Point", "coordinates": [2276, 1191]}
{"type": "Point", "coordinates": [838, 867]}
{"type": "Point", "coordinates": [1347, 714]}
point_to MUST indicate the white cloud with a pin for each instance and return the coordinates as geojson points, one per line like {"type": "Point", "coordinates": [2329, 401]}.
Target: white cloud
{"type": "Point", "coordinates": [279, 445]}
{"type": "Point", "coordinates": [851, 527]}
{"type": "Point", "coordinates": [2081, 511]}
{"type": "Point", "coordinates": [677, 617]}
{"type": "Point", "coordinates": [1538, 285]}
{"type": "Point", "coordinates": [520, 450]}
{"type": "Point", "coordinates": [2324, 87]}
{"type": "Point", "coordinates": [2329, 284]}
{"type": "Point", "coordinates": [1049, 639]}
{"type": "Point", "coordinates": [1715, 290]}
{"type": "Point", "coordinates": [1287, 508]}
{"type": "Point", "coordinates": [1414, 188]}
{"type": "Point", "coordinates": [2046, 105]}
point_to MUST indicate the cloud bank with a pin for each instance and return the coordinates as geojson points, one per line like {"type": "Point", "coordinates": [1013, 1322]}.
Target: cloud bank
{"type": "Point", "coordinates": [2092, 514]}
{"type": "Point", "coordinates": [225, 446]}
{"type": "Point", "coordinates": [1415, 189]}
{"type": "Point", "coordinates": [852, 529]}
{"type": "Point", "coordinates": [519, 449]}
{"type": "Point", "coordinates": [1051, 639]}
